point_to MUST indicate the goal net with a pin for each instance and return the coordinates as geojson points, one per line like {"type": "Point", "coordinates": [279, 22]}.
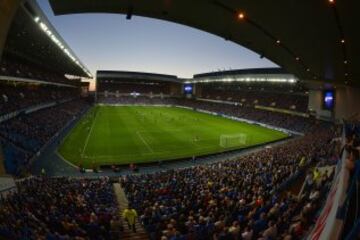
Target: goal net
{"type": "Point", "coordinates": [232, 140]}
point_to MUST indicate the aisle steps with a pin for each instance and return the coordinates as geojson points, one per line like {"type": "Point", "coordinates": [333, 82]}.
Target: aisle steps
{"type": "Point", "coordinates": [128, 234]}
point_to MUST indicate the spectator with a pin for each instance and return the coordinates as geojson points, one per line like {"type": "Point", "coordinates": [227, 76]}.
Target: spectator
{"type": "Point", "coordinates": [130, 215]}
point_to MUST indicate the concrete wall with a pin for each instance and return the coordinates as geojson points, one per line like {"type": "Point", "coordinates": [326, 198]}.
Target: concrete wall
{"type": "Point", "coordinates": [347, 103]}
{"type": "Point", "coordinates": [198, 91]}
{"type": "Point", "coordinates": [7, 183]}
{"type": "Point", "coordinates": [315, 104]}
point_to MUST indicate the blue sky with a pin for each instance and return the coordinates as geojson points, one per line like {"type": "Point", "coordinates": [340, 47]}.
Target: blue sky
{"type": "Point", "coordinates": [110, 42]}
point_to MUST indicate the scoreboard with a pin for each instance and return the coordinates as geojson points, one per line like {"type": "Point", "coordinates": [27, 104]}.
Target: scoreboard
{"type": "Point", "coordinates": [328, 99]}
{"type": "Point", "coordinates": [188, 89]}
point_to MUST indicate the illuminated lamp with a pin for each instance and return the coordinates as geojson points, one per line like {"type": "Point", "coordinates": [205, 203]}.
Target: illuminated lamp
{"type": "Point", "coordinates": [241, 15]}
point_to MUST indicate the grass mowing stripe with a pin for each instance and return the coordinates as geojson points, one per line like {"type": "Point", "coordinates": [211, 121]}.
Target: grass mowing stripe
{"type": "Point", "coordinates": [143, 140]}
{"type": "Point", "coordinates": [125, 134]}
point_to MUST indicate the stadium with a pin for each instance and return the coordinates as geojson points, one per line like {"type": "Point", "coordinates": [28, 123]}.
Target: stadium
{"type": "Point", "coordinates": [265, 152]}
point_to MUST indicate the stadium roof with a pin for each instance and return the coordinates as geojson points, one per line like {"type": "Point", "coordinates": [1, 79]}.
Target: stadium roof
{"type": "Point", "coordinates": [238, 75]}
{"type": "Point", "coordinates": [276, 75]}
{"type": "Point", "coordinates": [315, 40]}
{"type": "Point", "coordinates": [107, 74]}
{"type": "Point", "coordinates": [243, 72]}
{"type": "Point", "coordinates": [33, 38]}
{"type": "Point", "coordinates": [85, 84]}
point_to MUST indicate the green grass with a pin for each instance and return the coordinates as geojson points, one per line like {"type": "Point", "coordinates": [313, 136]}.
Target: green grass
{"type": "Point", "coordinates": [141, 134]}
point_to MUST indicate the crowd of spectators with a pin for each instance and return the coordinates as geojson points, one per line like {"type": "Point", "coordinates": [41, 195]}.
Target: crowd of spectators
{"type": "Point", "coordinates": [352, 146]}
{"type": "Point", "coordinates": [28, 133]}
{"type": "Point", "coordinates": [130, 87]}
{"type": "Point", "coordinates": [287, 121]}
{"type": "Point", "coordinates": [16, 96]}
{"type": "Point", "coordinates": [60, 208]}
{"type": "Point", "coordinates": [229, 200]}
{"type": "Point", "coordinates": [246, 96]}
{"type": "Point", "coordinates": [258, 96]}
{"type": "Point", "coordinates": [352, 164]}
{"type": "Point", "coordinates": [233, 199]}
{"type": "Point", "coordinates": [31, 131]}
{"type": "Point", "coordinates": [14, 158]}
{"type": "Point", "coordinates": [15, 68]}
{"type": "Point", "coordinates": [136, 100]}
{"type": "Point", "coordinates": [297, 88]}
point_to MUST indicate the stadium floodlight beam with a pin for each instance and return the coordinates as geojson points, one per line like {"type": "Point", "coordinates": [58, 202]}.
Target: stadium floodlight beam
{"type": "Point", "coordinates": [58, 42]}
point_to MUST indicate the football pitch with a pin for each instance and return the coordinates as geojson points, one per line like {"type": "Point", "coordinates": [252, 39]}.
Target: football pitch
{"type": "Point", "coordinates": [109, 135]}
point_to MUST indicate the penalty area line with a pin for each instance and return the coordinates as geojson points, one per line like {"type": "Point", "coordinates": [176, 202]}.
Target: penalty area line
{"type": "Point", "coordinates": [143, 140]}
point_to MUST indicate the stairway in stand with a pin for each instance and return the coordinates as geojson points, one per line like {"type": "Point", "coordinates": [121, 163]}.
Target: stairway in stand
{"type": "Point", "coordinates": [123, 202]}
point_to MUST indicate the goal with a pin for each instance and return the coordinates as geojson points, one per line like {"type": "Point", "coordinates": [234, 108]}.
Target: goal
{"type": "Point", "coordinates": [232, 140]}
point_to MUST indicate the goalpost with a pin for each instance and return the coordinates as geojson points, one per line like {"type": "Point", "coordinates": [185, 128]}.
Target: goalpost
{"type": "Point", "coordinates": [232, 140]}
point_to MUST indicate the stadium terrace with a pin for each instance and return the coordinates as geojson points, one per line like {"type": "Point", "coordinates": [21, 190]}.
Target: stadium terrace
{"type": "Point", "coordinates": [258, 153]}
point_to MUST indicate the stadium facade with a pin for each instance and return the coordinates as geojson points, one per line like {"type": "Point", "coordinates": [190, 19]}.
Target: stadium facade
{"type": "Point", "coordinates": [307, 98]}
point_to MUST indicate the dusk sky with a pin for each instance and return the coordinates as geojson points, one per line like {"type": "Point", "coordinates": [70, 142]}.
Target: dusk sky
{"type": "Point", "coordinates": [110, 42]}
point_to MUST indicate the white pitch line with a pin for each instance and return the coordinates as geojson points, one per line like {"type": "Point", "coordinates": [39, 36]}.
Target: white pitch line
{"type": "Point", "coordinates": [143, 140]}
{"type": "Point", "coordinates": [89, 134]}
{"type": "Point", "coordinates": [62, 158]}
